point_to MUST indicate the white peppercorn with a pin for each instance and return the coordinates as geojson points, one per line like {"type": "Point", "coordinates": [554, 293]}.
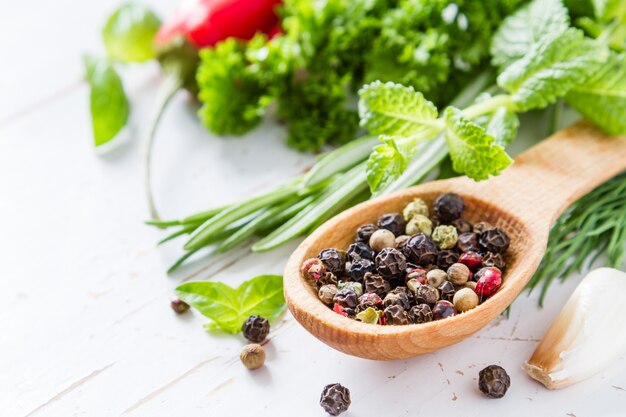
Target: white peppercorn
{"type": "Point", "coordinates": [465, 299]}
{"type": "Point", "coordinates": [458, 274]}
{"type": "Point", "coordinates": [381, 239]}
{"type": "Point", "coordinates": [252, 356]}
{"type": "Point", "coordinates": [435, 277]}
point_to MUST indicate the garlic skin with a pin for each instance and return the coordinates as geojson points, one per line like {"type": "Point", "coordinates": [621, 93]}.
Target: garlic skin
{"type": "Point", "coordinates": [587, 335]}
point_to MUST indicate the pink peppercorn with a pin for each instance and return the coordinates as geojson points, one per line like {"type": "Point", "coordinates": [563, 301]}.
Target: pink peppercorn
{"type": "Point", "coordinates": [489, 280]}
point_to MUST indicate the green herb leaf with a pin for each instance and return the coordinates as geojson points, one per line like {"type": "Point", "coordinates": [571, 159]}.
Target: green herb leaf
{"type": "Point", "coordinates": [393, 109]}
{"type": "Point", "coordinates": [109, 106]}
{"type": "Point", "coordinates": [369, 315]}
{"type": "Point", "coordinates": [606, 10]}
{"type": "Point", "coordinates": [602, 98]}
{"type": "Point", "coordinates": [389, 160]}
{"type": "Point", "coordinates": [523, 29]}
{"type": "Point", "coordinates": [552, 67]}
{"type": "Point", "coordinates": [129, 33]}
{"type": "Point", "coordinates": [502, 125]}
{"type": "Point", "coordinates": [472, 150]}
{"type": "Point", "coordinates": [228, 307]}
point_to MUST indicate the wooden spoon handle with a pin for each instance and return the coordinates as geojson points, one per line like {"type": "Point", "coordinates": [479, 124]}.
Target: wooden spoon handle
{"type": "Point", "coordinates": [547, 178]}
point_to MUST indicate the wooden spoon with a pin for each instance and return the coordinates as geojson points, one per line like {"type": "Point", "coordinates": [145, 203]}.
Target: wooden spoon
{"type": "Point", "coordinates": [525, 200]}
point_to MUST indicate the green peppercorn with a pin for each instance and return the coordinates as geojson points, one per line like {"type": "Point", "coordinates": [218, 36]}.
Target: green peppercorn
{"type": "Point", "coordinates": [445, 236]}
{"type": "Point", "coordinates": [419, 224]}
{"type": "Point", "coordinates": [415, 207]}
{"type": "Point", "coordinates": [357, 287]}
{"type": "Point", "coordinates": [327, 293]}
{"type": "Point", "coordinates": [370, 315]}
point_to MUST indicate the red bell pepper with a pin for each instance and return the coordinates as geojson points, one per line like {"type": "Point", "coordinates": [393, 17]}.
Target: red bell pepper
{"type": "Point", "coordinates": [199, 24]}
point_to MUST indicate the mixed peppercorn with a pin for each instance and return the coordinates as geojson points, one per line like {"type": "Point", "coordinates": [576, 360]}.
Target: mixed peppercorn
{"type": "Point", "coordinates": [412, 267]}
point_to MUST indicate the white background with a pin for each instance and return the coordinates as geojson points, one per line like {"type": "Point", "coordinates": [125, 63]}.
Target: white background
{"type": "Point", "coordinates": [85, 323]}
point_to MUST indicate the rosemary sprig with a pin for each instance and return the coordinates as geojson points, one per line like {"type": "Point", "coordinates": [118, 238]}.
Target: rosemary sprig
{"type": "Point", "coordinates": [592, 226]}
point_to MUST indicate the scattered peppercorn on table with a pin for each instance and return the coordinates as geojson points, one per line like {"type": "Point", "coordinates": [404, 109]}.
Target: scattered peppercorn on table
{"type": "Point", "coordinates": [86, 324]}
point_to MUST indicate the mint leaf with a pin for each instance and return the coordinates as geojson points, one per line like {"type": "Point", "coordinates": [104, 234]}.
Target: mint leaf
{"type": "Point", "coordinates": [520, 31]}
{"type": "Point", "coordinates": [389, 160]}
{"type": "Point", "coordinates": [229, 308]}
{"type": "Point", "coordinates": [472, 150]}
{"type": "Point", "coordinates": [551, 68]}
{"type": "Point", "coordinates": [502, 125]}
{"type": "Point", "coordinates": [393, 109]}
{"type": "Point", "coordinates": [129, 33]}
{"type": "Point", "coordinates": [602, 98]}
{"type": "Point", "coordinates": [108, 103]}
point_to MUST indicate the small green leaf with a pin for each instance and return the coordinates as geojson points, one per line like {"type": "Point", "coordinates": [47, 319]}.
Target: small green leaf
{"type": "Point", "coordinates": [393, 109]}
{"type": "Point", "coordinates": [606, 10]}
{"type": "Point", "coordinates": [229, 308]}
{"type": "Point", "coordinates": [389, 160]}
{"type": "Point", "coordinates": [502, 125]}
{"type": "Point", "coordinates": [602, 98]}
{"type": "Point", "coordinates": [552, 67]}
{"type": "Point", "coordinates": [129, 33]}
{"type": "Point", "coordinates": [369, 315]}
{"type": "Point", "coordinates": [472, 150]}
{"type": "Point", "coordinates": [521, 30]}
{"type": "Point", "coordinates": [108, 103]}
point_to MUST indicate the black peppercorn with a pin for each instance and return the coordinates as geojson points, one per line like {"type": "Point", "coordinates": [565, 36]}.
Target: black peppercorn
{"type": "Point", "coordinates": [256, 329]}
{"type": "Point", "coordinates": [394, 222]}
{"type": "Point", "coordinates": [494, 259]}
{"type": "Point", "coordinates": [327, 278]}
{"type": "Point", "coordinates": [482, 227]}
{"type": "Point", "coordinates": [335, 399]}
{"type": "Point", "coordinates": [445, 258]}
{"type": "Point", "coordinates": [359, 268]}
{"type": "Point", "coordinates": [364, 232]}
{"type": "Point", "coordinates": [401, 241]}
{"type": "Point", "coordinates": [462, 226]}
{"type": "Point", "coordinates": [468, 242]}
{"type": "Point", "coordinates": [376, 283]}
{"type": "Point", "coordinates": [449, 207]}
{"type": "Point", "coordinates": [178, 305]}
{"type": "Point", "coordinates": [346, 298]}
{"type": "Point", "coordinates": [446, 290]}
{"type": "Point", "coordinates": [421, 250]}
{"type": "Point", "coordinates": [493, 381]}
{"type": "Point", "coordinates": [426, 294]}
{"type": "Point", "coordinates": [368, 300]}
{"type": "Point", "coordinates": [391, 263]}
{"type": "Point", "coordinates": [360, 250]}
{"type": "Point", "coordinates": [397, 298]}
{"type": "Point", "coordinates": [395, 314]}
{"type": "Point", "coordinates": [334, 260]}
{"type": "Point", "coordinates": [420, 313]}
{"type": "Point", "coordinates": [494, 240]}
{"type": "Point", "coordinates": [443, 309]}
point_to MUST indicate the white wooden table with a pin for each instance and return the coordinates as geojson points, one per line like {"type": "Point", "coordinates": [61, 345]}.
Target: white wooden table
{"type": "Point", "coordinates": [85, 323]}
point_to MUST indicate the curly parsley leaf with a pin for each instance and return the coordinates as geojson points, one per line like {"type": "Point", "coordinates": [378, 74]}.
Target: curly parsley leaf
{"type": "Point", "coordinates": [552, 67]}
{"type": "Point", "coordinates": [393, 109]}
{"type": "Point", "coordinates": [472, 150]}
{"type": "Point", "coordinates": [108, 102]}
{"type": "Point", "coordinates": [129, 32]}
{"type": "Point", "coordinates": [228, 308]}
{"type": "Point", "coordinates": [523, 29]}
{"type": "Point", "coordinates": [602, 98]}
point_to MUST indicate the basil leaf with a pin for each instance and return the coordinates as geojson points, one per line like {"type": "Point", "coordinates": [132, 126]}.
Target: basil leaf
{"type": "Point", "coordinates": [229, 308]}
{"type": "Point", "coordinates": [108, 103]}
{"type": "Point", "coordinates": [129, 33]}
{"type": "Point", "coordinates": [473, 152]}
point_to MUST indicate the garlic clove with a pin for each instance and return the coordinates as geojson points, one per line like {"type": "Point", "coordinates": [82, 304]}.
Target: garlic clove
{"type": "Point", "coordinates": [587, 335]}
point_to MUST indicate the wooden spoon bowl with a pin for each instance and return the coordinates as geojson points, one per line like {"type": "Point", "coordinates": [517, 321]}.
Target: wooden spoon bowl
{"type": "Point", "coordinates": [525, 200]}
